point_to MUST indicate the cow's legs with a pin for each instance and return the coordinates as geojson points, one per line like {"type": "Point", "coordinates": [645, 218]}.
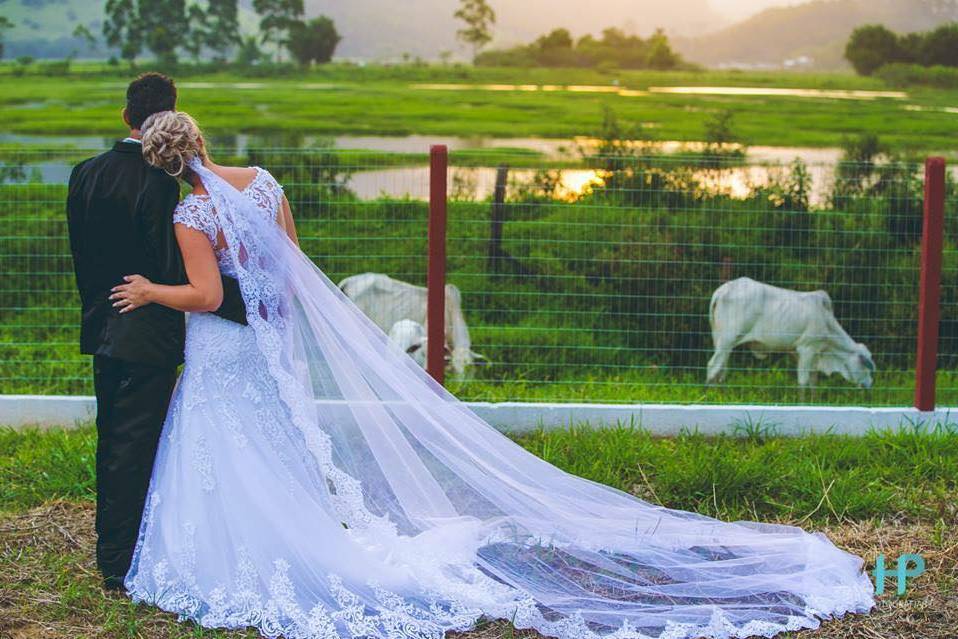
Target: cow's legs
{"type": "Point", "coordinates": [716, 367]}
{"type": "Point", "coordinates": [806, 367]}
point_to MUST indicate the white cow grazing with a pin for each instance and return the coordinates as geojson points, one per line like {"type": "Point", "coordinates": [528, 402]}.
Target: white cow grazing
{"type": "Point", "coordinates": [386, 301]}
{"type": "Point", "coordinates": [769, 319]}
{"type": "Point", "coordinates": [410, 337]}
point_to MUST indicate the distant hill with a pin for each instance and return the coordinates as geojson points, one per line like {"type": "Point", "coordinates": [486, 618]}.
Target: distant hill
{"type": "Point", "coordinates": [385, 29]}
{"type": "Point", "coordinates": [816, 29]}
{"type": "Point", "coordinates": [43, 28]}
{"type": "Point", "coordinates": [381, 29]}
{"type": "Point", "coordinates": [377, 29]}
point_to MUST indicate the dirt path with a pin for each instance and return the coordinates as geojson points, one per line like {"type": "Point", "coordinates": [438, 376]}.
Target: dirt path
{"type": "Point", "coordinates": [49, 587]}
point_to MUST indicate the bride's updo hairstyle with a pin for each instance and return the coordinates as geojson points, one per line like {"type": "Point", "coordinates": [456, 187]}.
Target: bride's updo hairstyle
{"type": "Point", "coordinates": [170, 140]}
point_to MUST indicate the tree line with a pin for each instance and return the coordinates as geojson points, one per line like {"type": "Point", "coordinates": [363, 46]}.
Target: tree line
{"type": "Point", "coordinates": [171, 28]}
{"type": "Point", "coordinates": [874, 46]}
{"type": "Point", "coordinates": [558, 49]}
{"type": "Point", "coordinates": [210, 29]}
{"type": "Point", "coordinates": [613, 49]}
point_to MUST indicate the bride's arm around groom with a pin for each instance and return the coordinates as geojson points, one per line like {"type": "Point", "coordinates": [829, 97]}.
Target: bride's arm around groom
{"type": "Point", "coordinates": [120, 218]}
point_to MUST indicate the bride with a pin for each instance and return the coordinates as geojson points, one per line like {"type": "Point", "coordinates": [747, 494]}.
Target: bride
{"type": "Point", "coordinates": [315, 483]}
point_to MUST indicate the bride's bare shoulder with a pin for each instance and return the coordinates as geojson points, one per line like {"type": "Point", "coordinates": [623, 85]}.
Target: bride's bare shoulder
{"type": "Point", "coordinates": [238, 175]}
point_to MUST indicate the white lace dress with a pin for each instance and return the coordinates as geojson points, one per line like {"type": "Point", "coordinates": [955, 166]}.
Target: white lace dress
{"type": "Point", "coordinates": [314, 483]}
{"type": "Point", "coordinates": [236, 531]}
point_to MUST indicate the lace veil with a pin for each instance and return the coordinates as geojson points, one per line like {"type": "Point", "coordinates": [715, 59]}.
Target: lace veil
{"type": "Point", "coordinates": [458, 521]}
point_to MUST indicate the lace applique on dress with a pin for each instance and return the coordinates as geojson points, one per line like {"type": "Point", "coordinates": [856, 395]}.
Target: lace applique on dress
{"type": "Point", "coordinates": [265, 191]}
{"type": "Point", "coordinates": [197, 213]}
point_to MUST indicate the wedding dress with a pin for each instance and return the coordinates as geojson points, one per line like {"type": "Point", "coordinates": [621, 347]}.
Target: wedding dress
{"type": "Point", "coordinates": [315, 483]}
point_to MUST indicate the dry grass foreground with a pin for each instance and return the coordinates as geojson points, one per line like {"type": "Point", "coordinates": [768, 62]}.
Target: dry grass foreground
{"type": "Point", "coordinates": [49, 587]}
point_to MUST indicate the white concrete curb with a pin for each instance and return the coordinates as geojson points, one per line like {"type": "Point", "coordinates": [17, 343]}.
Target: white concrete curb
{"type": "Point", "coordinates": [46, 410]}
{"type": "Point", "coordinates": [669, 419]}
{"type": "Point", "coordinates": [660, 419]}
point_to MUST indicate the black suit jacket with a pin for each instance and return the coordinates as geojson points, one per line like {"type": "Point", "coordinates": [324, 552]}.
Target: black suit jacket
{"type": "Point", "coordinates": [120, 216]}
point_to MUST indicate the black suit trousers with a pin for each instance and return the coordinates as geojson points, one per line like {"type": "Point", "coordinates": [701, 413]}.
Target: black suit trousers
{"type": "Point", "coordinates": [132, 401]}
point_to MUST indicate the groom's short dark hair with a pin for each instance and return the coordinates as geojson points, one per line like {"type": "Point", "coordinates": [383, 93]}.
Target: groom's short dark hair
{"type": "Point", "coordinates": [148, 94]}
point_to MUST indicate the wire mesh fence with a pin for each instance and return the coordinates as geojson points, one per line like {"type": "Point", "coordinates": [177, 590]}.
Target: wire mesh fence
{"type": "Point", "coordinates": [604, 292]}
{"type": "Point", "coordinates": [585, 277]}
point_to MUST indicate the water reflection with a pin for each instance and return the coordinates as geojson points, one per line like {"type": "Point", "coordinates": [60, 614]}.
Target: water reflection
{"type": "Point", "coordinates": [760, 165]}
{"type": "Point", "coordinates": [930, 109]}
{"type": "Point", "coordinates": [468, 183]}
{"type": "Point", "coordinates": [478, 183]}
{"type": "Point", "coordinates": [572, 88]}
{"type": "Point", "coordinates": [841, 94]}
{"type": "Point", "coordinates": [550, 148]}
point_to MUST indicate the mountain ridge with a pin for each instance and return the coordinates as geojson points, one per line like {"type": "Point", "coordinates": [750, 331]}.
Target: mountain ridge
{"type": "Point", "coordinates": [818, 29]}
{"type": "Point", "coordinates": [374, 29]}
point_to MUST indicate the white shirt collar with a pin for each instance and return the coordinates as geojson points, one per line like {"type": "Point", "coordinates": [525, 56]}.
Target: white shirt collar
{"type": "Point", "coordinates": [133, 140]}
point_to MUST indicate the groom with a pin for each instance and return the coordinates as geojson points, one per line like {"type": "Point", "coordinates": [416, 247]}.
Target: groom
{"type": "Point", "coordinates": [120, 216]}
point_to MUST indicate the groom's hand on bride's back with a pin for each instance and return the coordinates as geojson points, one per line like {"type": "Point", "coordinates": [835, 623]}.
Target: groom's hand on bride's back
{"type": "Point", "coordinates": [233, 308]}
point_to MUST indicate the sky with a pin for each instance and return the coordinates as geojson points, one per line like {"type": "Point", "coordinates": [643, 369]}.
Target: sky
{"type": "Point", "coordinates": [371, 29]}
{"type": "Point", "coordinates": [425, 27]}
{"type": "Point", "coordinates": [739, 9]}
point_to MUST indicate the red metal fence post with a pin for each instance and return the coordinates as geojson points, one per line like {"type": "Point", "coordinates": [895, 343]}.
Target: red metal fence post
{"type": "Point", "coordinates": [436, 268]}
{"type": "Point", "coordinates": [929, 293]}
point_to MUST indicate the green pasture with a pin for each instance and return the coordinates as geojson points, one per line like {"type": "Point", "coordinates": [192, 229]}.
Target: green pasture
{"type": "Point", "coordinates": [752, 474]}
{"type": "Point", "coordinates": [886, 492]}
{"type": "Point", "coordinates": [601, 299]}
{"type": "Point", "coordinates": [378, 100]}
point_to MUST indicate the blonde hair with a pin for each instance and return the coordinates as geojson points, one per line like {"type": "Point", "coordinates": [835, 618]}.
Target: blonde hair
{"type": "Point", "coordinates": [170, 140]}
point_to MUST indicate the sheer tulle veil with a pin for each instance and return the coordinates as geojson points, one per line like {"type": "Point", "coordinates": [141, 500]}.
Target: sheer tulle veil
{"type": "Point", "coordinates": [447, 514]}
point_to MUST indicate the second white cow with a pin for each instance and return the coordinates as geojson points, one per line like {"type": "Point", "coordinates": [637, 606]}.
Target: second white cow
{"type": "Point", "coordinates": [767, 319]}
{"type": "Point", "coordinates": [410, 337]}
{"type": "Point", "coordinates": [386, 300]}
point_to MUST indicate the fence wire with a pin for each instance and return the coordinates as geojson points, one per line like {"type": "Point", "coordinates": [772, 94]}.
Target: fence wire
{"type": "Point", "coordinates": [586, 277]}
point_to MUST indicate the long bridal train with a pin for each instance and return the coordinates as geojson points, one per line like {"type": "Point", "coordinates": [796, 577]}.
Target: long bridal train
{"type": "Point", "coordinates": [395, 512]}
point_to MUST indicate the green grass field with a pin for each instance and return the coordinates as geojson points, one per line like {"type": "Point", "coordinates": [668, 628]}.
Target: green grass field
{"type": "Point", "coordinates": [612, 307]}
{"type": "Point", "coordinates": [608, 301]}
{"type": "Point", "coordinates": [384, 100]}
{"type": "Point", "coordinates": [750, 474]}
{"type": "Point", "coordinates": [616, 314]}
{"type": "Point", "coordinates": [884, 492]}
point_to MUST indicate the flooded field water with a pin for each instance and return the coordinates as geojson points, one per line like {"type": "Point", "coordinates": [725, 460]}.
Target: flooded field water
{"type": "Point", "coordinates": [828, 94]}
{"type": "Point", "coordinates": [759, 164]}
{"type": "Point", "coordinates": [832, 94]}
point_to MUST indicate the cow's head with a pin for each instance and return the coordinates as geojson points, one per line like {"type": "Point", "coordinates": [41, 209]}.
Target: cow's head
{"type": "Point", "coordinates": [417, 351]}
{"type": "Point", "coordinates": [862, 367]}
{"type": "Point", "coordinates": [854, 364]}
{"type": "Point", "coordinates": [462, 358]}
{"type": "Point", "coordinates": [858, 366]}
{"type": "Point", "coordinates": [410, 336]}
